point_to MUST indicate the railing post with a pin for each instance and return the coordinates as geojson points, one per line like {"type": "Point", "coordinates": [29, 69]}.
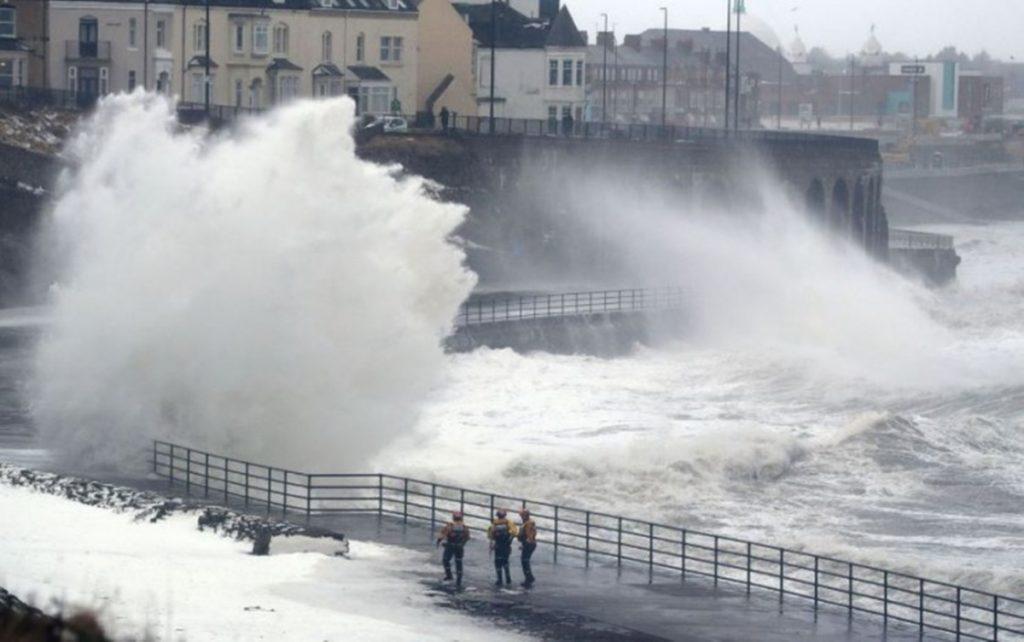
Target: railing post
{"type": "Point", "coordinates": [816, 582]}
{"type": "Point", "coordinates": [206, 474]}
{"type": "Point", "coordinates": [284, 496]}
{"type": "Point", "coordinates": [920, 605]}
{"type": "Point", "coordinates": [309, 497]}
{"type": "Point", "coordinates": [462, 500]}
{"type": "Point", "coordinates": [586, 554]}
{"type": "Point", "coordinates": [885, 598]}
{"type": "Point", "coordinates": [491, 517]}
{"type": "Point", "coordinates": [270, 489]}
{"type": "Point", "coordinates": [170, 470]}
{"type": "Point", "coordinates": [716, 561]}
{"type": "Point", "coordinates": [748, 568]}
{"type": "Point", "coordinates": [405, 501]}
{"type": "Point", "coordinates": [433, 507]}
{"type": "Point", "coordinates": [958, 613]}
{"type": "Point", "coordinates": [618, 550]}
{"type": "Point", "coordinates": [226, 498]}
{"type": "Point", "coordinates": [782, 573]}
{"type": "Point", "coordinates": [995, 618]}
{"type": "Point", "coordinates": [154, 457]}
{"type": "Point", "coordinates": [188, 471]}
{"type": "Point", "coordinates": [682, 565]}
{"type": "Point", "coordinates": [650, 554]}
{"type": "Point", "coordinates": [556, 535]}
{"type": "Point", "coordinates": [380, 495]}
{"type": "Point", "coordinates": [850, 591]}
{"type": "Point", "coordinates": [247, 484]}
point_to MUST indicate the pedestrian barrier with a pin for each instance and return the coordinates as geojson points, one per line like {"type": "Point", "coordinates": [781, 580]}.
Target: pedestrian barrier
{"type": "Point", "coordinates": [911, 240]}
{"type": "Point", "coordinates": [590, 537]}
{"type": "Point", "coordinates": [500, 308]}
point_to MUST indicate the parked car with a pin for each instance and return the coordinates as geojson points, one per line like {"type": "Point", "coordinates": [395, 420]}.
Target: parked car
{"type": "Point", "coordinates": [387, 124]}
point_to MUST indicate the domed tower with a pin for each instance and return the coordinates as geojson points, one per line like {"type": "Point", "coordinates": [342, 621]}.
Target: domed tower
{"type": "Point", "coordinates": [798, 54]}
{"type": "Point", "coordinates": [871, 54]}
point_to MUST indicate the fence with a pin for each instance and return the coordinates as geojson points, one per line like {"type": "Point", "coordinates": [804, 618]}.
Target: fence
{"type": "Point", "coordinates": [500, 308]}
{"type": "Point", "coordinates": [593, 537]}
{"type": "Point", "coordinates": [909, 240]}
{"type": "Point", "coordinates": [34, 98]}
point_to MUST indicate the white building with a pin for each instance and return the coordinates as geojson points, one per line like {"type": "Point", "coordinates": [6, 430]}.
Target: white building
{"type": "Point", "coordinates": [540, 63]}
{"type": "Point", "coordinates": [944, 80]}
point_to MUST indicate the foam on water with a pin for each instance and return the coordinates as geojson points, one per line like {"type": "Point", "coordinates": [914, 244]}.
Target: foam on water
{"type": "Point", "coordinates": [262, 292]}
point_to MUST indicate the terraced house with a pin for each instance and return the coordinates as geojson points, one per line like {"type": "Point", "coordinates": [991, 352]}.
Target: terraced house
{"type": "Point", "coordinates": [261, 52]}
{"type": "Point", "coordinates": [15, 51]}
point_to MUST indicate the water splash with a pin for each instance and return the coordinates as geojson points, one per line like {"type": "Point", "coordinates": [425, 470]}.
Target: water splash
{"type": "Point", "coordinates": [262, 292]}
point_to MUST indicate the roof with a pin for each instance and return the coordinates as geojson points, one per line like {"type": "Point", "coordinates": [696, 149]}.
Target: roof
{"type": "Point", "coordinates": [363, 72]}
{"type": "Point", "coordinates": [516, 31]}
{"type": "Point", "coordinates": [327, 69]}
{"type": "Point", "coordinates": [283, 64]}
{"type": "Point", "coordinates": [404, 6]}
{"type": "Point", "coordinates": [755, 55]}
{"type": "Point", "coordinates": [200, 61]}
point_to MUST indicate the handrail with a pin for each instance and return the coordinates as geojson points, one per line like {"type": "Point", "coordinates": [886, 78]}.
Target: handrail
{"type": "Point", "coordinates": [487, 309]}
{"type": "Point", "coordinates": [912, 240]}
{"type": "Point", "coordinates": [931, 605]}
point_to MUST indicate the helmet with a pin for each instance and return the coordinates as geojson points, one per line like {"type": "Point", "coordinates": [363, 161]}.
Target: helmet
{"type": "Point", "coordinates": [524, 513]}
{"type": "Point", "coordinates": [501, 513]}
{"type": "Point", "coordinates": [457, 516]}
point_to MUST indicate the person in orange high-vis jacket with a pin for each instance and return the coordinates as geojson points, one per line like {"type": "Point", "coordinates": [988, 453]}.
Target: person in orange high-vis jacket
{"type": "Point", "coordinates": [527, 544]}
{"type": "Point", "coordinates": [453, 536]}
{"type": "Point", "coordinates": [502, 532]}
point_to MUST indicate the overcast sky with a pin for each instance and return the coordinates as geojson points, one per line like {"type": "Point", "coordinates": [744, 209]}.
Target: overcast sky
{"type": "Point", "coordinates": [916, 27]}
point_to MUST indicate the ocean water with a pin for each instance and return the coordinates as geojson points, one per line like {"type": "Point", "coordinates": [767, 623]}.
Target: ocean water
{"type": "Point", "coordinates": [914, 458]}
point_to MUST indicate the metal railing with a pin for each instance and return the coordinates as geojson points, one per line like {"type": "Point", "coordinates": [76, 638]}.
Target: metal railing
{"type": "Point", "coordinates": [34, 98]}
{"type": "Point", "coordinates": [588, 537]}
{"type": "Point", "coordinates": [500, 308]}
{"type": "Point", "coordinates": [910, 240]}
{"type": "Point", "coordinates": [643, 132]}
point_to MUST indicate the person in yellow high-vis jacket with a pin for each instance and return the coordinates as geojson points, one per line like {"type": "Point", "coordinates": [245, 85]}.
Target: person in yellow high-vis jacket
{"type": "Point", "coordinates": [502, 532]}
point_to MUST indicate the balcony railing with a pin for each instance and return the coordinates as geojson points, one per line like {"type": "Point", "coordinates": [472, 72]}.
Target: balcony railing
{"type": "Point", "coordinates": [82, 50]}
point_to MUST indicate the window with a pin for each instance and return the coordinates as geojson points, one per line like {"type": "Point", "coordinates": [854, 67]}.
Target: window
{"type": "Point", "coordinates": [567, 72]}
{"type": "Point", "coordinates": [360, 47]}
{"type": "Point", "coordinates": [8, 28]}
{"type": "Point", "coordinates": [281, 39]}
{"type": "Point", "coordinates": [198, 89]}
{"type": "Point", "coordinates": [553, 73]}
{"type": "Point", "coordinates": [131, 80]}
{"type": "Point", "coordinates": [396, 49]}
{"type": "Point", "coordinates": [238, 41]}
{"type": "Point", "coordinates": [374, 100]}
{"type": "Point", "coordinates": [260, 38]}
{"type": "Point", "coordinates": [238, 93]}
{"type": "Point", "coordinates": [385, 48]}
{"type": "Point", "coordinates": [161, 34]}
{"type": "Point", "coordinates": [579, 73]}
{"type": "Point", "coordinates": [326, 46]}
{"type": "Point", "coordinates": [199, 37]}
{"type": "Point", "coordinates": [73, 79]}
{"type": "Point", "coordinates": [133, 30]}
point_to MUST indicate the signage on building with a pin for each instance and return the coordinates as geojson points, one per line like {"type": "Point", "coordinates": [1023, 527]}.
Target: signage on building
{"type": "Point", "coordinates": [912, 69]}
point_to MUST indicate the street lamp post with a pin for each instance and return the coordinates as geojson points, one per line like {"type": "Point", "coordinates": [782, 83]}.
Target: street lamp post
{"type": "Point", "coordinates": [728, 58]}
{"type": "Point", "coordinates": [664, 73]}
{"type": "Point", "coordinates": [778, 121]}
{"type": "Point", "coordinates": [206, 46]}
{"type": "Point", "coordinates": [852, 90]}
{"type": "Point", "coordinates": [604, 71]}
{"type": "Point", "coordinates": [739, 73]}
{"type": "Point", "coordinates": [494, 45]}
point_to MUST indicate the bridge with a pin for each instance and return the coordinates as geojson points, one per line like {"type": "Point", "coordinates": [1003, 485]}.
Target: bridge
{"type": "Point", "coordinates": [689, 572]}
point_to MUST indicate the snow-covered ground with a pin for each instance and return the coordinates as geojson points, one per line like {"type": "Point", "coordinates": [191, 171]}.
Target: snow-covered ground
{"type": "Point", "coordinates": [169, 581]}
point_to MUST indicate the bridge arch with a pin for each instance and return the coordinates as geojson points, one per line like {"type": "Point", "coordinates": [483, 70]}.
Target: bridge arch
{"type": "Point", "coordinates": [858, 212]}
{"type": "Point", "coordinates": [840, 210]}
{"type": "Point", "coordinates": [815, 199]}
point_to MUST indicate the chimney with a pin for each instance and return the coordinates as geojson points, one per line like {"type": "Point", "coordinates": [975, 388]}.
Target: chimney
{"type": "Point", "coordinates": [549, 9]}
{"type": "Point", "coordinates": [585, 35]}
{"type": "Point", "coordinates": [606, 39]}
{"type": "Point", "coordinates": [633, 42]}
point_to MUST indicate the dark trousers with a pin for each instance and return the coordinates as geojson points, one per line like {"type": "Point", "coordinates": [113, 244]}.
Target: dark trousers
{"type": "Point", "coordinates": [528, 550]}
{"type": "Point", "coordinates": [450, 551]}
{"type": "Point", "coordinates": [501, 557]}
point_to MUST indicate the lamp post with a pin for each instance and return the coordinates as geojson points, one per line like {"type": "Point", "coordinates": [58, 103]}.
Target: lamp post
{"type": "Point", "coordinates": [494, 38]}
{"type": "Point", "coordinates": [778, 120]}
{"type": "Point", "coordinates": [852, 90]}
{"type": "Point", "coordinates": [664, 73]}
{"type": "Point", "coordinates": [604, 71]}
{"type": "Point", "coordinates": [728, 58]}
{"type": "Point", "coordinates": [739, 73]}
{"type": "Point", "coordinates": [206, 46]}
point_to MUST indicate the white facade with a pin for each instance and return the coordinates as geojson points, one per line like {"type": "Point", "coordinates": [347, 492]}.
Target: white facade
{"type": "Point", "coordinates": [533, 83]}
{"type": "Point", "coordinates": [945, 84]}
